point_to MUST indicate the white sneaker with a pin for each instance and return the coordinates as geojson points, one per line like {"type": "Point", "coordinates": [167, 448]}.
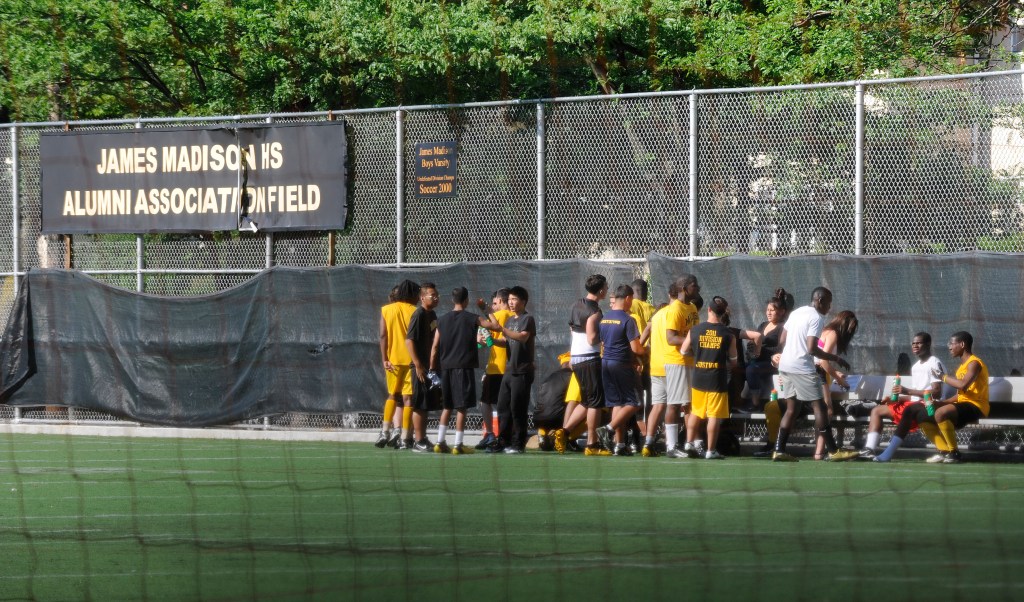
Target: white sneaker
{"type": "Point", "coordinates": [938, 458]}
{"type": "Point", "coordinates": [713, 455]}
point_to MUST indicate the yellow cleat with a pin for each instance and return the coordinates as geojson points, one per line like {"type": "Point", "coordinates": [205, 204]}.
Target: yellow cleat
{"type": "Point", "coordinates": [596, 450]}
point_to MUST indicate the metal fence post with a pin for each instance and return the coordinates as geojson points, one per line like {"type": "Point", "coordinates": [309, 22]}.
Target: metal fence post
{"type": "Point", "coordinates": [858, 185]}
{"type": "Point", "coordinates": [268, 238]}
{"type": "Point", "coordinates": [694, 173]}
{"type": "Point", "coordinates": [541, 199]}
{"type": "Point", "coordinates": [15, 230]}
{"type": "Point", "coordinates": [399, 187]}
{"type": "Point", "coordinates": [140, 260]}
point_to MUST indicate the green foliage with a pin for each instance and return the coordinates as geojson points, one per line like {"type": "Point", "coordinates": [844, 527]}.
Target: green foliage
{"type": "Point", "coordinates": [79, 59]}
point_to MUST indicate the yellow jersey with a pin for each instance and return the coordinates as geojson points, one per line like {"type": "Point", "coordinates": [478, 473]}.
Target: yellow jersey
{"type": "Point", "coordinates": [396, 324]}
{"type": "Point", "coordinates": [680, 317]}
{"type": "Point", "coordinates": [658, 343]}
{"type": "Point", "coordinates": [977, 393]}
{"type": "Point", "coordinates": [498, 356]}
{"type": "Point", "coordinates": [642, 312]}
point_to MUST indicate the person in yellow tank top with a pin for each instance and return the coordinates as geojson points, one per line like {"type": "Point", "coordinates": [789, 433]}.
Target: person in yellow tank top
{"type": "Point", "coordinates": [970, 403]}
{"type": "Point", "coordinates": [497, 357]}
{"type": "Point", "coordinates": [394, 323]}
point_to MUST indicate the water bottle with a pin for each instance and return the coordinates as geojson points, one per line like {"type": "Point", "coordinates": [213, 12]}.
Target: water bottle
{"type": "Point", "coordinates": [488, 341]}
{"type": "Point", "coordinates": [775, 396]}
{"type": "Point", "coordinates": [928, 405]}
{"type": "Point", "coordinates": [895, 393]}
{"type": "Point", "coordinates": [434, 378]}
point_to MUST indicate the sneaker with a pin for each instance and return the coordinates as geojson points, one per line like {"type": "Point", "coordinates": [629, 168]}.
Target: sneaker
{"type": "Point", "coordinates": [622, 451]}
{"type": "Point", "coordinates": [573, 446]}
{"type": "Point", "coordinates": [396, 438]}
{"type": "Point", "coordinates": [953, 457]}
{"type": "Point", "coordinates": [495, 448]}
{"type": "Point", "coordinates": [486, 442]}
{"type": "Point", "coordinates": [764, 452]}
{"type": "Point", "coordinates": [513, 450]}
{"type": "Point", "coordinates": [596, 450]}
{"type": "Point", "coordinates": [560, 441]}
{"type": "Point", "coordinates": [842, 455]}
{"type": "Point", "coordinates": [545, 443]}
{"type": "Point", "coordinates": [783, 457]}
{"type": "Point", "coordinates": [649, 452]}
{"type": "Point", "coordinates": [713, 455]}
{"type": "Point", "coordinates": [606, 437]}
{"type": "Point", "coordinates": [461, 450]}
{"type": "Point", "coordinates": [938, 458]}
{"type": "Point", "coordinates": [422, 447]}
{"type": "Point", "coordinates": [675, 452]}
{"type": "Point", "coordinates": [692, 451]}
{"type": "Point", "coordinates": [403, 444]}
{"type": "Point", "coordinates": [867, 454]}
{"type": "Point", "coordinates": [382, 440]}
{"type": "Point", "coordinates": [442, 448]}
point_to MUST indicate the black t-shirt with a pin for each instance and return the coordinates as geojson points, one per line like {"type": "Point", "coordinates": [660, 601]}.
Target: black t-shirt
{"type": "Point", "coordinates": [521, 355]}
{"type": "Point", "coordinates": [581, 312]}
{"type": "Point", "coordinates": [710, 345]}
{"type": "Point", "coordinates": [422, 325]}
{"type": "Point", "coordinates": [769, 344]}
{"type": "Point", "coordinates": [457, 340]}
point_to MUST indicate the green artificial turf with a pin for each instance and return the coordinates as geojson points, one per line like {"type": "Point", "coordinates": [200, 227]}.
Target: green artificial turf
{"type": "Point", "coordinates": [128, 519]}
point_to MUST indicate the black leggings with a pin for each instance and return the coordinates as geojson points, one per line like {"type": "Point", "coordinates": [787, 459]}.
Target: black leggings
{"type": "Point", "coordinates": [514, 409]}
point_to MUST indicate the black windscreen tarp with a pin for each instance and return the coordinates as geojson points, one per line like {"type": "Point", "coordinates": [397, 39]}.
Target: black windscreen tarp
{"type": "Point", "coordinates": [286, 340]}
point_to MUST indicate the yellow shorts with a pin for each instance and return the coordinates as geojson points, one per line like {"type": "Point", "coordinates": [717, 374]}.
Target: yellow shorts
{"type": "Point", "coordinates": [710, 404]}
{"type": "Point", "coordinates": [400, 381]}
{"type": "Point", "coordinates": [572, 394]}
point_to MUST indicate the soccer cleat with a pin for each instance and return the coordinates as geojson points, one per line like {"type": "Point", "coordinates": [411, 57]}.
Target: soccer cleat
{"type": "Point", "coordinates": [783, 457]}
{"type": "Point", "coordinates": [649, 452]}
{"type": "Point", "coordinates": [606, 437]}
{"type": "Point", "coordinates": [596, 450]}
{"type": "Point", "coordinates": [867, 454]}
{"type": "Point", "coordinates": [513, 450]}
{"type": "Point", "coordinates": [396, 438]}
{"type": "Point", "coordinates": [692, 451]}
{"type": "Point", "coordinates": [486, 442]}
{"type": "Point", "coordinates": [461, 450]}
{"type": "Point", "coordinates": [842, 455]}
{"type": "Point", "coordinates": [713, 455]}
{"type": "Point", "coordinates": [442, 448]}
{"type": "Point", "coordinates": [403, 444]}
{"type": "Point", "coordinates": [938, 458]}
{"type": "Point", "coordinates": [622, 450]}
{"type": "Point", "coordinates": [952, 457]}
{"type": "Point", "coordinates": [560, 441]}
{"type": "Point", "coordinates": [422, 447]}
{"type": "Point", "coordinates": [382, 440]}
{"type": "Point", "coordinates": [764, 452]}
{"type": "Point", "coordinates": [675, 452]}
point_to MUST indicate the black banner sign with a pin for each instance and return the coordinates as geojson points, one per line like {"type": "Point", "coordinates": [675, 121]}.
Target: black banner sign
{"type": "Point", "coordinates": [189, 180]}
{"type": "Point", "coordinates": [435, 170]}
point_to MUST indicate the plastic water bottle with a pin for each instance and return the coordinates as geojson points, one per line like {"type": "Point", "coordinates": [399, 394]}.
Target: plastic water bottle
{"type": "Point", "coordinates": [928, 405]}
{"type": "Point", "coordinates": [895, 385]}
{"type": "Point", "coordinates": [775, 396]}
{"type": "Point", "coordinates": [488, 341]}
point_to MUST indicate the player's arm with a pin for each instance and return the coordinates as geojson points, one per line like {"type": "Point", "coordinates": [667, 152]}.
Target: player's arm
{"type": "Point", "coordinates": [383, 335]}
{"type": "Point", "coordinates": [638, 349]}
{"type": "Point", "coordinates": [421, 372]}
{"type": "Point", "coordinates": [434, 349]}
{"type": "Point", "coordinates": [645, 336]}
{"type": "Point", "coordinates": [778, 348]}
{"type": "Point", "coordinates": [489, 322]}
{"type": "Point", "coordinates": [821, 354]}
{"type": "Point", "coordinates": [516, 335]}
{"type": "Point", "coordinates": [684, 347]}
{"type": "Point", "coordinates": [674, 338]}
{"type": "Point", "coordinates": [754, 337]}
{"type": "Point", "coordinates": [830, 340]}
{"type": "Point", "coordinates": [973, 370]}
{"type": "Point", "coordinates": [593, 329]}
{"type": "Point", "coordinates": [733, 357]}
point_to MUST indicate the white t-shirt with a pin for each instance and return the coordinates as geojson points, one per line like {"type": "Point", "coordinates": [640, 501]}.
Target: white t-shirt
{"type": "Point", "coordinates": [803, 322]}
{"type": "Point", "coordinates": [922, 376]}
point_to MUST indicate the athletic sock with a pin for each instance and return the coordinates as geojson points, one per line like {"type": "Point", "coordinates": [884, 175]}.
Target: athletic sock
{"type": "Point", "coordinates": [458, 437]}
{"type": "Point", "coordinates": [872, 441]}
{"type": "Point", "coordinates": [830, 440]}
{"type": "Point", "coordinates": [648, 440]}
{"type": "Point", "coordinates": [407, 418]}
{"type": "Point", "coordinates": [932, 432]}
{"type": "Point", "coordinates": [782, 440]}
{"type": "Point", "coordinates": [671, 436]}
{"type": "Point", "coordinates": [442, 430]}
{"type": "Point", "coordinates": [949, 434]}
{"type": "Point", "coordinates": [389, 410]}
{"type": "Point", "coordinates": [890, 451]}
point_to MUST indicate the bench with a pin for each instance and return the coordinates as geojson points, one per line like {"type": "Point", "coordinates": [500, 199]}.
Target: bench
{"type": "Point", "coordinates": [1006, 397]}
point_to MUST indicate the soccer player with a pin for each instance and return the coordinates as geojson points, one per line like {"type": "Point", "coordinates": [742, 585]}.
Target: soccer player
{"type": "Point", "coordinates": [585, 347]}
{"type": "Point", "coordinates": [620, 364]}
{"type": "Point", "coordinates": [800, 382]}
{"type": "Point", "coordinates": [642, 312]}
{"type": "Point", "coordinates": [713, 347]}
{"type": "Point", "coordinates": [655, 331]}
{"type": "Point", "coordinates": [968, 405]}
{"type": "Point", "coordinates": [519, 335]}
{"type": "Point", "coordinates": [926, 377]}
{"type": "Point", "coordinates": [394, 324]}
{"type": "Point", "coordinates": [419, 340]}
{"type": "Point", "coordinates": [455, 351]}
{"type": "Point", "coordinates": [680, 317]}
{"type": "Point", "coordinates": [496, 358]}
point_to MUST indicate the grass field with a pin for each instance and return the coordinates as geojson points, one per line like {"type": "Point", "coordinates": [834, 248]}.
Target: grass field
{"type": "Point", "coordinates": [128, 519]}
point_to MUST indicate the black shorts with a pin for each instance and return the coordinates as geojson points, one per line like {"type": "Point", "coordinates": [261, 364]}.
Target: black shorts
{"type": "Point", "coordinates": [588, 375]}
{"type": "Point", "coordinates": [490, 388]}
{"type": "Point", "coordinates": [458, 388]}
{"type": "Point", "coordinates": [966, 413]}
{"type": "Point", "coordinates": [621, 382]}
{"type": "Point", "coordinates": [425, 399]}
